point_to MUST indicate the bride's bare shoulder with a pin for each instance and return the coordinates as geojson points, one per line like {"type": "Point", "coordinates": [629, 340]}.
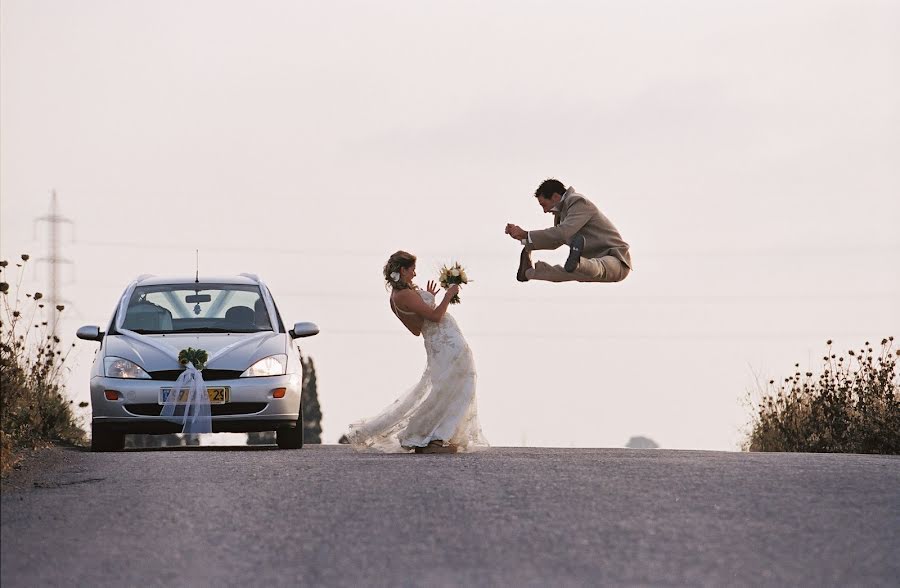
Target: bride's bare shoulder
{"type": "Point", "coordinates": [406, 295]}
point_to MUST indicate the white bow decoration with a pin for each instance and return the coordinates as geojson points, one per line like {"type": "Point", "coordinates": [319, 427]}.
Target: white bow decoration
{"type": "Point", "coordinates": [197, 417]}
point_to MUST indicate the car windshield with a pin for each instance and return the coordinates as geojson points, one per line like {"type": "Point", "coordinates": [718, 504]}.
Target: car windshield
{"type": "Point", "coordinates": [197, 308]}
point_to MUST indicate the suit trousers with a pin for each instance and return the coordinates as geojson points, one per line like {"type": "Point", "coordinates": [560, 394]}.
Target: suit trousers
{"type": "Point", "coordinates": [604, 269]}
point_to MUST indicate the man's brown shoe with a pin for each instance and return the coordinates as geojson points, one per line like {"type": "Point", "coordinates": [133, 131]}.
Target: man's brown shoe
{"type": "Point", "coordinates": [524, 264]}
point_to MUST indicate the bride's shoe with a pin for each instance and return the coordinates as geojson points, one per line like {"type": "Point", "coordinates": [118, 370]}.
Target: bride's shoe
{"type": "Point", "coordinates": [437, 446]}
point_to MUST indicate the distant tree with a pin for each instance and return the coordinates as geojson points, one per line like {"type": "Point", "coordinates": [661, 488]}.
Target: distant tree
{"type": "Point", "coordinates": [261, 438]}
{"type": "Point", "coordinates": [309, 400]}
{"type": "Point", "coordinates": [639, 442]}
{"type": "Point", "coordinates": [172, 440]}
{"type": "Point", "coordinates": [190, 440]}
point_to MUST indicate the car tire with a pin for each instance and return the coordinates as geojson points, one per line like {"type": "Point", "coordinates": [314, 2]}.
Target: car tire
{"type": "Point", "coordinates": [290, 437]}
{"type": "Point", "coordinates": [103, 439]}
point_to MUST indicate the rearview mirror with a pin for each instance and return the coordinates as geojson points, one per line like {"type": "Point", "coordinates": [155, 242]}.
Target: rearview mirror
{"type": "Point", "coordinates": [192, 298]}
{"type": "Point", "coordinates": [304, 330]}
{"type": "Point", "coordinates": [89, 333]}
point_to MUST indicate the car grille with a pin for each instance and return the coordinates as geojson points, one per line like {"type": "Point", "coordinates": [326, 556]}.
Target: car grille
{"type": "Point", "coordinates": [208, 375]}
{"type": "Point", "coordinates": [229, 408]}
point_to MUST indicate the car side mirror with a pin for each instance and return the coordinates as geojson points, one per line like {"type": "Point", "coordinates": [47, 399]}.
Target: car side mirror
{"type": "Point", "coordinates": [90, 333]}
{"type": "Point", "coordinates": [304, 330]}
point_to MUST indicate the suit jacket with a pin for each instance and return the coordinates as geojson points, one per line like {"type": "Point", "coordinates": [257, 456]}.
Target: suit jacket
{"type": "Point", "coordinates": [577, 214]}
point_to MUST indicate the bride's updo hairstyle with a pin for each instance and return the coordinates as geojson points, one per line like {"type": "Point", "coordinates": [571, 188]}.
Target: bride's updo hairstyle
{"type": "Point", "coordinates": [395, 262]}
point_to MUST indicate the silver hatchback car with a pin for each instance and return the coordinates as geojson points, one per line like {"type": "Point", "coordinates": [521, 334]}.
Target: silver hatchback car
{"type": "Point", "coordinates": [253, 375]}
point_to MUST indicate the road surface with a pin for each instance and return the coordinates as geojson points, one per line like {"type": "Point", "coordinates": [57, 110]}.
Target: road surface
{"type": "Point", "coordinates": [325, 515]}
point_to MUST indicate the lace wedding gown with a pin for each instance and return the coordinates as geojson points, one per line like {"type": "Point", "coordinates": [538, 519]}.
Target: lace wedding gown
{"type": "Point", "coordinates": [441, 406]}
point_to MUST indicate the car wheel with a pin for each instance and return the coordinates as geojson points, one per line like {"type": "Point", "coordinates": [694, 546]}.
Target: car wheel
{"type": "Point", "coordinates": [290, 437]}
{"type": "Point", "coordinates": [103, 439]}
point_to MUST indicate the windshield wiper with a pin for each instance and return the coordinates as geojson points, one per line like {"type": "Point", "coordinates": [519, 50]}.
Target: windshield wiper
{"type": "Point", "coordinates": [216, 330]}
{"type": "Point", "coordinates": [202, 330]}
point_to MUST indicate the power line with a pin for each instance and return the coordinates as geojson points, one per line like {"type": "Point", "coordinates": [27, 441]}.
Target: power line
{"type": "Point", "coordinates": [637, 299]}
{"type": "Point", "coordinates": [600, 299]}
{"type": "Point", "coordinates": [606, 336]}
{"type": "Point", "coordinates": [886, 249]}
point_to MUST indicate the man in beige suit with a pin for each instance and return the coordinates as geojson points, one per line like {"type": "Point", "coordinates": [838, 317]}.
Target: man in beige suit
{"type": "Point", "coordinates": [597, 252]}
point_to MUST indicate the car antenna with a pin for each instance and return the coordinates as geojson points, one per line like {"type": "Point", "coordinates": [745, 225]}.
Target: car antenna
{"type": "Point", "coordinates": [197, 277]}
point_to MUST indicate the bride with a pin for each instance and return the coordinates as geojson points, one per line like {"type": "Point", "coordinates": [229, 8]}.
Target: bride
{"type": "Point", "coordinates": [438, 415]}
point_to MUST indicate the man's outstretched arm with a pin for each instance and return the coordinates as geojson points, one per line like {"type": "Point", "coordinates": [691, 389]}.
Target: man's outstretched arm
{"type": "Point", "coordinates": [578, 216]}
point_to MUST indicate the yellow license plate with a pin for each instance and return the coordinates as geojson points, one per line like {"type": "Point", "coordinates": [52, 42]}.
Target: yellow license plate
{"type": "Point", "coordinates": [217, 395]}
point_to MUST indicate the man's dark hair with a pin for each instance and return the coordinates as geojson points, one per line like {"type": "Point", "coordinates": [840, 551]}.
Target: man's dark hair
{"type": "Point", "coordinates": [550, 187]}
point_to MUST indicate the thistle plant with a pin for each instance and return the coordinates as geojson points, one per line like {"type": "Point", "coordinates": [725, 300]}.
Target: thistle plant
{"type": "Point", "coordinates": [33, 404]}
{"type": "Point", "coordinates": [852, 406]}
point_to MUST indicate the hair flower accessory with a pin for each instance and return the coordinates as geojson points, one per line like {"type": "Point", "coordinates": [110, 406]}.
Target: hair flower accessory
{"type": "Point", "coordinates": [395, 276]}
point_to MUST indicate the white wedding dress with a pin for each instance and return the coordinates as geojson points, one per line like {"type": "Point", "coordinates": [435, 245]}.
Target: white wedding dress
{"type": "Point", "coordinates": [441, 406]}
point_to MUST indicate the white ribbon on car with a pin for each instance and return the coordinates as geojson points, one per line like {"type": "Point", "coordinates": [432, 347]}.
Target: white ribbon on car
{"type": "Point", "coordinates": [197, 417]}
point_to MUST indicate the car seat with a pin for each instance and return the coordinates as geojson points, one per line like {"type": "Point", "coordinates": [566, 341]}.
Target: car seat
{"type": "Point", "coordinates": [240, 314]}
{"type": "Point", "coordinates": [147, 316]}
{"type": "Point", "coordinates": [261, 315]}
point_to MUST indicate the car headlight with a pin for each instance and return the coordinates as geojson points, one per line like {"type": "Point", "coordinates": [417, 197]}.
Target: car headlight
{"type": "Point", "coordinates": [116, 367]}
{"type": "Point", "coordinates": [274, 365]}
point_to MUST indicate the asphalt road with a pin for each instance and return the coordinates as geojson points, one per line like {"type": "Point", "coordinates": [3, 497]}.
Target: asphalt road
{"type": "Point", "coordinates": [504, 517]}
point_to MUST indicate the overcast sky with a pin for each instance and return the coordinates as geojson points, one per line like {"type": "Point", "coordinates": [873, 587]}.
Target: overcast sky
{"type": "Point", "coordinates": [748, 151]}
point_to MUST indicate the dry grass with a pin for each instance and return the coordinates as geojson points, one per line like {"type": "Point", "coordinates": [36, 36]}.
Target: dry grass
{"type": "Point", "coordinates": [853, 406]}
{"type": "Point", "coordinates": [34, 409]}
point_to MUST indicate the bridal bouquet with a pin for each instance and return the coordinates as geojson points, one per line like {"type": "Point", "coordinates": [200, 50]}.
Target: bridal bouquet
{"type": "Point", "coordinates": [454, 274]}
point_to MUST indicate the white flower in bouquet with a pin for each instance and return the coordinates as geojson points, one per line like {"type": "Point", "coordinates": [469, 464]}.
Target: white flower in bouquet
{"type": "Point", "coordinates": [453, 274]}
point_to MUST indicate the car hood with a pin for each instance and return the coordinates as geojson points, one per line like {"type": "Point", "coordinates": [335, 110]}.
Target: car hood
{"type": "Point", "coordinates": [252, 348]}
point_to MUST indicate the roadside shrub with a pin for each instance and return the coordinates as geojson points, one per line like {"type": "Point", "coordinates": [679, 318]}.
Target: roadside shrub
{"type": "Point", "coordinates": [853, 406]}
{"type": "Point", "coordinates": [33, 404]}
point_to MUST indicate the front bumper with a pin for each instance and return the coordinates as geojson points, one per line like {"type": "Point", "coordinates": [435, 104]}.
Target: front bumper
{"type": "Point", "coordinates": [251, 407]}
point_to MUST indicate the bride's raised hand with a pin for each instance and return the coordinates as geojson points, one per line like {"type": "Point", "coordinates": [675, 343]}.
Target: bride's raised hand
{"type": "Point", "coordinates": [432, 288]}
{"type": "Point", "coordinates": [453, 290]}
